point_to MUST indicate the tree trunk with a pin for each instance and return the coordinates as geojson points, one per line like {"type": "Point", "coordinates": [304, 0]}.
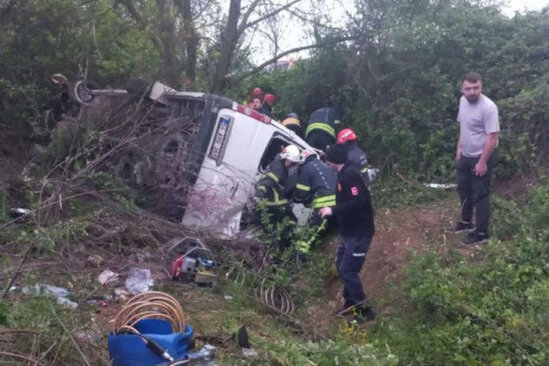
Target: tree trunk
{"type": "Point", "coordinates": [228, 45]}
{"type": "Point", "coordinates": [191, 40]}
{"type": "Point", "coordinates": [171, 69]}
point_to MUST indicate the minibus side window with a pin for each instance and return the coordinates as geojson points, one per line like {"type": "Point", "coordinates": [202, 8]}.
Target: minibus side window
{"type": "Point", "coordinates": [274, 147]}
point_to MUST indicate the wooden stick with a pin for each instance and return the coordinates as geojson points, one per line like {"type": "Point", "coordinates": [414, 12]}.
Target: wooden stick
{"type": "Point", "coordinates": [69, 334]}
{"type": "Point", "coordinates": [23, 357]}
{"type": "Point", "coordinates": [23, 260]}
{"type": "Point", "coordinates": [45, 353]}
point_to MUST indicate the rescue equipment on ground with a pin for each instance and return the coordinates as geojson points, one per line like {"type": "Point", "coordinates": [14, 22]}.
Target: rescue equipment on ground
{"type": "Point", "coordinates": [188, 260]}
{"type": "Point", "coordinates": [275, 299]}
{"type": "Point", "coordinates": [151, 329]}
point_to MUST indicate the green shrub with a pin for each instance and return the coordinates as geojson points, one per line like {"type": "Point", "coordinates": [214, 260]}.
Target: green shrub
{"type": "Point", "coordinates": [327, 353]}
{"type": "Point", "coordinates": [491, 308]}
{"type": "Point", "coordinates": [506, 218]}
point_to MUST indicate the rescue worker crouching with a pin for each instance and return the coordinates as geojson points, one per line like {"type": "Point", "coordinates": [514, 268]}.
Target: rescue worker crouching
{"type": "Point", "coordinates": [271, 187]}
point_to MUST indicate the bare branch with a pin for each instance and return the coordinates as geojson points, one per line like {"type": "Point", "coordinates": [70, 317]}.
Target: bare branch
{"type": "Point", "coordinates": [22, 357]}
{"type": "Point", "coordinates": [290, 51]}
{"type": "Point", "coordinates": [271, 14]}
{"type": "Point", "coordinates": [243, 23]}
{"type": "Point", "coordinates": [299, 14]}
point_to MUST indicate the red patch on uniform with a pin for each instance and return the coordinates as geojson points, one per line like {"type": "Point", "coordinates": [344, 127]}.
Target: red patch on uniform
{"type": "Point", "coordinates": [354, 191]}
{"type": "Point", "coordinates": [339, 187]}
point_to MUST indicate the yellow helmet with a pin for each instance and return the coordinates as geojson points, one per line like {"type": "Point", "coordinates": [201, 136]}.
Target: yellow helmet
{"type": "Point", "coordinates": [291, 121]}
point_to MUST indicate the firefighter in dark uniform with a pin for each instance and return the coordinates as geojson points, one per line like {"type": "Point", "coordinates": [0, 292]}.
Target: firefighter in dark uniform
{"type": "Point", "coordinates": [316, 184]}
{"type": "Point", "coordinates": [320, 132]}
{"type": "Point", "coordinates": [355, 216]}
{"type": "Point", "coordinates": [272, 185]}
{"type": "Point", "coordinates": [355, 156]}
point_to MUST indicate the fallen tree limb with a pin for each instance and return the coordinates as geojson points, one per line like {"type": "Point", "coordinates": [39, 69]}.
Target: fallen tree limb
{"type": "Point", "coordinates": [22, 357]}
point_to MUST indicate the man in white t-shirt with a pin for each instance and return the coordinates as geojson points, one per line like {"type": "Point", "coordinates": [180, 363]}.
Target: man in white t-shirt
{"type": "Point", "coordinates": [476, 156]}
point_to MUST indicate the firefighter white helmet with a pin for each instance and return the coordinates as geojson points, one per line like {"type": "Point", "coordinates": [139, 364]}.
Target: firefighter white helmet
{"type": "Point", "coordinates": [291, 153]}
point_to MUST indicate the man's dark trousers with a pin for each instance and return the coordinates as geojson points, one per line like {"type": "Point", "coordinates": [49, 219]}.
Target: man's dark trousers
{"type": "Point", "coordinates": [474, 191]}
{"type": "Point", "coordinates": [350, 258]}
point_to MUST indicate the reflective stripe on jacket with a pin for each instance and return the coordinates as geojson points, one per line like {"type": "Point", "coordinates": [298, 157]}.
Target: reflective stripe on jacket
{"type": "Point", "coordinates": [320, 126]}
{"type": "Point", "coordinates": [271, 185]}
{"type": "Point", "coordinates": [316, 183]}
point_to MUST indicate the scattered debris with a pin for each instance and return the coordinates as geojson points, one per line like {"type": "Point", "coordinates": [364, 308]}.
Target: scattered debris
{"type": "Point", "coordinates": [441, 185]}
{"type": "Point", "coordinates": [46, 289]}
{"type": "Point", "coordinates": [206, 355]}
{"type": "Point", "coordinates": [227, 297]}
{"type": "Point", "coordinates": [87, 336]}
{"type": "Point", "coordinates": [59, 293]}
{"type": "Point", "coordinates": [139, 280]}
{"type": "Point", "coordinates": [96, 260]}
{"type": "Point", "coordinates": [66, 302]}
{"type": "Point", "coordinates": [249, 352]}
{"type": "Point", "coordinates": [121, 295]}
{"type": "Point", "coordinates": [19, 211]}
{"type": "Point", "coordinates": [107, 276]}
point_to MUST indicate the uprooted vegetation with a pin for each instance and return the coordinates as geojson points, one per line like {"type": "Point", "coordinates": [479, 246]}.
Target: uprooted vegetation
{"type": "Point", "coordinates": [89, 211]}
{"type": "Point", "coordinates": [449, 305]}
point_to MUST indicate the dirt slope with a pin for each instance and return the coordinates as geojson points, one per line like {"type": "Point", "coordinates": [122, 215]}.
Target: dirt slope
{"type": "Point", "coordinates": [400, 232]}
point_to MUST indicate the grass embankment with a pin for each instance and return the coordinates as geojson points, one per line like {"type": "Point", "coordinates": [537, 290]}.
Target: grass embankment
{"type": "Point", "coordinates": [485, 307]}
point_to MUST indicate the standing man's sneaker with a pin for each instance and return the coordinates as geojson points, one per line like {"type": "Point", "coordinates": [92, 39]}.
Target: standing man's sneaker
{"type": "Point", "coordinates": [475, 238]}
{"type": "Point", "coordinates": [464, 227]}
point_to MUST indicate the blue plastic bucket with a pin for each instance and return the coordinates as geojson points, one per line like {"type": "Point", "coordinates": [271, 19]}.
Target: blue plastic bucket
{"type": "Point", "coordinates": [130, 350]}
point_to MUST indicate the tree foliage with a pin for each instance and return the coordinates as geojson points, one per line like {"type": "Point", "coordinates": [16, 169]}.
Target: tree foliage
{"type": "Point", "coordinates": [392, 71]}
{"type": "Point", "coordinates": [396, 81]}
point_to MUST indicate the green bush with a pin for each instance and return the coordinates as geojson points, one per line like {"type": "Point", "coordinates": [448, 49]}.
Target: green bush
{"type": "Point", "coordinates": [491, 308]}
{"type": "Point", "coordinates": [506, 218]}
{"type": "Point", "coordinates": [327, 353]}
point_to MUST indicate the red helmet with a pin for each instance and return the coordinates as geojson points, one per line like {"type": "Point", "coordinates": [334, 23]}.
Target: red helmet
{"type": "Point", "coordinates": [346, 135]}
{"type": "Point", "coordinates": [257, 92]}
{"type": "Point", "coordinates": [270, 98]}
